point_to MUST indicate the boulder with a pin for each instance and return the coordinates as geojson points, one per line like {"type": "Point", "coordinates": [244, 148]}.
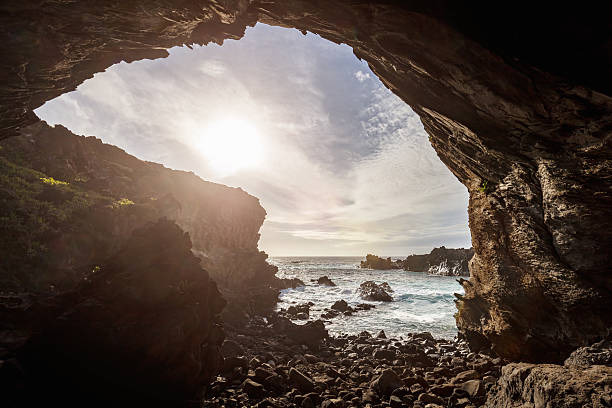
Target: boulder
{"type": "Point", "coordinates": [550, 385]}
{"type": "Point", "coordinates": [387, 382]}
{"type": "Point", "coordinates": [310, 334]}
{"type": "Point", "coordinates": [303, 383]}
{"type": "Point", "coordinates": [253, 389]}
{"type": "Point", "coordinates": [597, 354]}
{"type": "Point", "coordinates": [324, 280]}
{"type": "Point", "coordinates": [340, 305]}
{"type": "Point", "coordinates": [369, 290]}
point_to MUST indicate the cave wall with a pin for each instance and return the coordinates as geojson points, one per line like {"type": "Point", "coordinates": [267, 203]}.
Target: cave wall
{"type": "Point", "coordinates": [516, 103]}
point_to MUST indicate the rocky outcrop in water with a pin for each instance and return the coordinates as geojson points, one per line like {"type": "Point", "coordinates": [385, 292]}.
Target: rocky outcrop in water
{"type": "Point", "coordinates": [370, 290]}
{"type": "Point", "coordinates": [521, 118]}
{"type": "Point", "coordinates": [440, 261]}
{"type": "Point", "coordinates": [325, 281]}
{"type": "Point", "coordinates": [144, 329]}
{"type": "Point", "coordinates": [376, 262]}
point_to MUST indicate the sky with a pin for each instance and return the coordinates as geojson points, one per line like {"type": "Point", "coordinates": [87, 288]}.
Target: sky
{"type": "Point", "coordinates": [341, 165]}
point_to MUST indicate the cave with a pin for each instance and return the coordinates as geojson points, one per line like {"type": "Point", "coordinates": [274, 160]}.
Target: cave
{"type": "Point", "coordinates": [515, 99]}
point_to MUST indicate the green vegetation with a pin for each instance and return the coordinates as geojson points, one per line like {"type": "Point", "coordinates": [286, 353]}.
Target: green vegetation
{"type": "Point", "coordinates": [483, 186]}
{"type": "Point", "coordinates": [36, 210]}
{"type": "Point", "coordinates": [53, 182]}
{"type": "Point", "coordinates": [122, 202]}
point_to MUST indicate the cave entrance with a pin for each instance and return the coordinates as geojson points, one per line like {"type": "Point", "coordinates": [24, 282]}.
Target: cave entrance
{"type": "Point", "coordinates": [342, 166]}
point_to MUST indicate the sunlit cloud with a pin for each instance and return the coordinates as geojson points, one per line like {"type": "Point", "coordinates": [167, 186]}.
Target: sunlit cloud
{"type": "Point", "coordinates": [361, 76]}
{"type": "Point", "coordinates": [341, 165]}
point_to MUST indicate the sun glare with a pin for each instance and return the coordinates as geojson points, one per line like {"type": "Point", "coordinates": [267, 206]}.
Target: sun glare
{"type": "Point", "coordinates": [230, 145]}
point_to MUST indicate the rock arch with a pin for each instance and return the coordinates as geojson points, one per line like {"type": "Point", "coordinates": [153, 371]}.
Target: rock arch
{"type": "Point", "coordinates": [516, 103]}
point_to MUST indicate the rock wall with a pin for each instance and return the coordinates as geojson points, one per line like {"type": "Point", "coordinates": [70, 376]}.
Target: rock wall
{"type": "Point", "coordinates": [144, 329]}
{"type": "Point", "coordinates": [516, 101]}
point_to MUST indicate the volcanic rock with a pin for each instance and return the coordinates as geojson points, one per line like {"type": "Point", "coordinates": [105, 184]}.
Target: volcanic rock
{"type": "Point", "coordinates": [440, 261]}
{"type": "Point", "coordinates": [376, 262]}
{"type": "Point", "coordinates": [550, 385]}
{"type": "Point", "coordinates": [521, 125]}
{"type": "Point", "coordinates": [324, 280]}
{"type": "Point", "coordinates": [303, 383]}
{"type": "Point", "coordinates": [145, 327]}
{"type": "Point", "coordinates": [387, 382]}
{"type": "Point", "coordinates": [340, 305]}
{"type": "Point", "coordinates": [369, 290]}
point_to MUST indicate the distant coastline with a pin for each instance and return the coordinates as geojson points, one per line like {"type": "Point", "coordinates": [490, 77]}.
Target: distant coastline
{"type": "Point", "coordinates": [440, 261]}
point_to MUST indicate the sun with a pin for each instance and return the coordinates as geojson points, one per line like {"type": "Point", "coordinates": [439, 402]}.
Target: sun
{"type": "Point", "coordinates": [230, 145]}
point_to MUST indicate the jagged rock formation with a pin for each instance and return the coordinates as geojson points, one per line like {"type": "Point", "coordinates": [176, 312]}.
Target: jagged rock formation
{"type": "Point", "coordinates": [583, 381]}
{"type": "Point", "coordinates": [143, 329]}
{"type": "Point", "coordinates": [370, 290]}
{"type": "Point", "coordinates": [520, 116]}
{"type": "Point", "coordinates": [376, 262]}
{"type": "Point", "coordinates": [440, 261]}
{"type": "Point", "coordinates": [223, 222]}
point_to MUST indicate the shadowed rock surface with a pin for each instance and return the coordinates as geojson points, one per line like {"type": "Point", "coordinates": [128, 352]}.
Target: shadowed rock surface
{"type": "Point", "coordinates": [142, 330]}
{"type": "Point", "coordinates": [520, 116]}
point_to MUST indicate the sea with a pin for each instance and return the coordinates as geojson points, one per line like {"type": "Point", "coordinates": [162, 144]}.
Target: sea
{"type": "Point", "coordinates": [421, 302]}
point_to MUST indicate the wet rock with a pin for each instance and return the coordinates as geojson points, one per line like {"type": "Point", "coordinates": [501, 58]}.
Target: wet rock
{"type": "Point", "coordinates": [381, 335]}
{"type": "Point", "coordinates": [301, 311]}
{"type": "Point", "coordinates": [288, 283]}
{"type": "Point", "coordinates": [369, 290]}
{"type": "Point", "coordinates": [324, 280]}
{"type": "Point", "coordinates": [340, 305]}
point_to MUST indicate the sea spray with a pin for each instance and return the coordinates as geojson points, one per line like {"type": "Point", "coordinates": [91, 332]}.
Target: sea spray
{"type": "Point", "coordinates": [421, 302]}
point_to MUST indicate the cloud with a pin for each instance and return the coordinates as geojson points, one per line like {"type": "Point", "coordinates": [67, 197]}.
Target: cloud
{"type": "Point", "coordinates": [346, 167]}
{"type": "Point", "coordinates": [361, 76]}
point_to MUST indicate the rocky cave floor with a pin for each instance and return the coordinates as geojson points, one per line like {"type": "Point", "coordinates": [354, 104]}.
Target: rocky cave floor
{"type": "Point", "coordinates": [265, 368]}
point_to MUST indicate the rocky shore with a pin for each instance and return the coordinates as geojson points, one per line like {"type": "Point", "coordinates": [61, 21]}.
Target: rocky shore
{"type": "Point", "coordinates": [270, 364]}
{"type": "Point", "coordinates": [266, 368]}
